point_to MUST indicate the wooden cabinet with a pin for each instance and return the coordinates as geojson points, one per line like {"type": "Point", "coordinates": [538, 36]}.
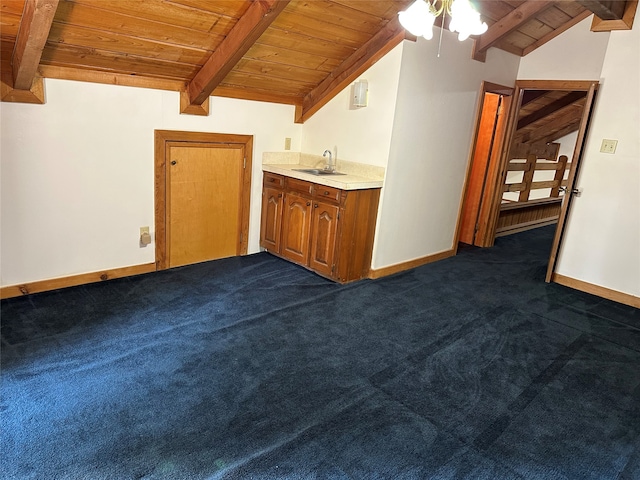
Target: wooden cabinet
{"type": "Point", "coordinates": [324, 225]}
{"type": "Point", "coordinates": [271, 221]}
{"type": "Point", "coordinates": [296, 220]}
{"type": "Point", "coordinates": [271, 218]}
{"type": "Point", "coordinates": [325, 229]}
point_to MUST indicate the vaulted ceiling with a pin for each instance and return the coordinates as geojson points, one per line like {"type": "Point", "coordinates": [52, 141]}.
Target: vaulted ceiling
{"type": "Point", "coordinates": [299, 52]}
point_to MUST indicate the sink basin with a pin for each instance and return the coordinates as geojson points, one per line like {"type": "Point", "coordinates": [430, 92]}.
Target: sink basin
{"type": "Point", "coordinates": [317, 171]}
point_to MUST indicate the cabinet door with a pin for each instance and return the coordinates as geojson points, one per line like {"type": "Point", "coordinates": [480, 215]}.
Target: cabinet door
{"type": "Point", "coordinates": [296, 224]}
{"type": "Point", "coordinates": [271, 222]}
{"type": "Point", "coordinates": [323, 237]}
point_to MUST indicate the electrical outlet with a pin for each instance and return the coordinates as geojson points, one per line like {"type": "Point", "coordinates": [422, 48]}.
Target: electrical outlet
{"type": "Point", "coordinates": [287, 143]}
{"type": "Point", "coordinates": [608, 146]}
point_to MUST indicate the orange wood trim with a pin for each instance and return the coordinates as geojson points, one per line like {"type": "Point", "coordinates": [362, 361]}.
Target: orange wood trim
{"type": "Point", "coordinates": [188, 108]}
{"type": "Point", "coordinates": [513, 205]}
{"type": "Point", "coordinates": [401, 267]}
{"type": "Point", "coordinates": [34, 95]}
{"type": "Point", "coordinates": [74, 280]}
{"type": "Point", "coordinates": [523, 227]}
{"type": "Point", "coordinates": [626, 23]}
{"type": "Point", "coordinates": [358, 62]}
{"type": "Point", "coordinates": [109, 78]}
{"type": "Point", "coordinates": [583, 85]}
{"type": "Point", "coordinates": [246, 195]}
{"type": "Point", "coordinates": [160, 197]}
{"type": "Point", "coordinates": [244, 94]}
{"type": "Point", "coordinates": [67, 73]}
{"type": "Point", "coordinates": [503, 27]}
{"type": "Point", "coordinates": [597, 290]}
{"type": "Point", "coordinates": [35, 24]}
{"type": "Point", "coordinates": [240, 39]}
{"type": "Point", "coordinates": [162, 140]}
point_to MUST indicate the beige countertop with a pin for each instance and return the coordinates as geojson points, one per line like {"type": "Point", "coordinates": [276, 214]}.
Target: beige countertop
{"type": "Point", "coordinates": [357, 176]}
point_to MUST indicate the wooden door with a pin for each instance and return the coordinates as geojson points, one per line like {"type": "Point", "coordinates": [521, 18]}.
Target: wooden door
{"type": "Point", "coordinates": [296, 226]}
{"type": "Point", "coordinates": [271, 222]}
{"type": "Point", "coordinates": [575, 164]}
{"type": "Point", "coordinates": [479, 163]}
{"type": "Point", "coordinates": [204, 202]}
{"type": "Point", "coordinates": [323, 237]}
{"type": "Point", "coordinates": [484, 165]}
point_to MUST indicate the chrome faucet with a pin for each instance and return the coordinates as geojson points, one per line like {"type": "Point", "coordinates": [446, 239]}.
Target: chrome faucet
{"type": "Point", "coordinates": [330, 167]}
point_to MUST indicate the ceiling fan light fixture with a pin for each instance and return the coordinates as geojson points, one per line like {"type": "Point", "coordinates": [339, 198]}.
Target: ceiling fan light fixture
{"type": "Point", "coordinates": [419, 18]}
{"type": "Point", "coordinates": [466, 20]}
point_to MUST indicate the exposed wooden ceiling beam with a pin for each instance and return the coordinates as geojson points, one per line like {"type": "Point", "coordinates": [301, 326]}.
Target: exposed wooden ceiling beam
{"type": "Point", "coordinates": [529, 96]}
{"type": "Point", "coordinates": [558, 134]}
{"type": "Point", "coordinates": [242, 36]}
{"type": "Point", "coordinates": [37, 18]}
{"type": "Point", "coordinates": [551, 108]}
{"type": "Point", "coordinates": [503, 27]}
{"type": "Point", "coordinates": [605, 9]}
{"type": "Point", "coordinates": [547, 131]}
{"type": "Point", "coordinates": [355, 65]}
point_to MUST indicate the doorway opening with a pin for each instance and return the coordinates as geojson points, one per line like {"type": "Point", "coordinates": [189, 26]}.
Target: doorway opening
{"type": "Point", "coordinates": [533, 183]}
{"type": "Point", "coordinates": [202, 195]}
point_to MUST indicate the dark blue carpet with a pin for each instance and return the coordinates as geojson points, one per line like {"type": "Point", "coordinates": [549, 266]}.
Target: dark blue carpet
{"type": "Point", "coordinates": [252, 367]}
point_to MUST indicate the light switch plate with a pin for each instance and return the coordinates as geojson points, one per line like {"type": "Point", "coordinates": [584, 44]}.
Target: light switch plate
{"type": "Point", "coordinates": [287, 143]}
{"type": "Point", "coordinates": [608, 146]}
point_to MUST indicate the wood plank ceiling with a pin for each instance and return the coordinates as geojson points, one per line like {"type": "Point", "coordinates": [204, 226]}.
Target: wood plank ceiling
{"type": "Point", "coordinates": [548, 115]}
{"type": "Point", "coordinates": [299, 52]}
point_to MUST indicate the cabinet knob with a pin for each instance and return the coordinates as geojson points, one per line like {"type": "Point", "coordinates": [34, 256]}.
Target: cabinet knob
{"type": "Point", "coordinates": [308, 203]}
{"type": "Point", "coordinates": [315, 206]}
{"type": "Point", "coordinates": [326, 193]}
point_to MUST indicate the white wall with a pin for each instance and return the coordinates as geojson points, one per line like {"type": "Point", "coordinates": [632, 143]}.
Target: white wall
{"type": "Point", "coordinates": [77, 178]}
{"type": "Point", "coordinates": [430, 145]}
{"type": "Point", "coordinates": [602, 237]}
{"type": "Point", "coordinates": [360, 135]}
{"type": "Point", "coordinates": [577, 54]}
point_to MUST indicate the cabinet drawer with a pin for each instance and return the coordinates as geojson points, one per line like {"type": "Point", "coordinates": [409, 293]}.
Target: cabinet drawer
{"type": "Point", "coordinates": [273, 180]}
{"type": "Point", "coordinates": [328, 193]}
{"type": "Point", "coordinates": [300, 186]}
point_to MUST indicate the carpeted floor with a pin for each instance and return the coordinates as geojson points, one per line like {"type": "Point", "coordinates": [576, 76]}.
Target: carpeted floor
{"type": "Point", "coordinates": [252, 367]}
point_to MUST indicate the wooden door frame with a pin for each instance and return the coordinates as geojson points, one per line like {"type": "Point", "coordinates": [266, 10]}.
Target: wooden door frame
{"type": "Point", "coordinates": [563, 85]}
{"type": "Point", "coordinates": [485, 87]}
{"type": "Point", "coordinates": [163, 139]}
